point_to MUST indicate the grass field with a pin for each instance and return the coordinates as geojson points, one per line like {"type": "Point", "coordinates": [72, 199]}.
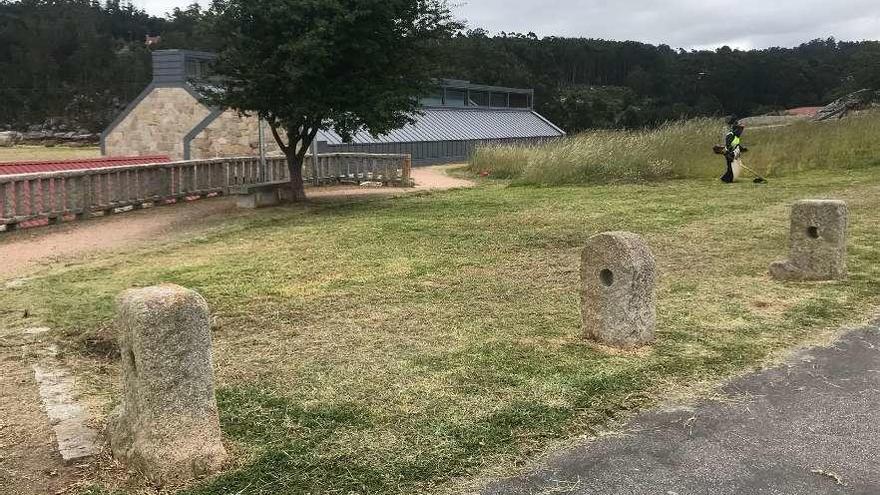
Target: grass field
{"type": "Point", "coordinates": [683, 150]}
{"type": "Point", "coordinates": [422, 344]}
{"type": "Point", "coordinates": [34, 153]}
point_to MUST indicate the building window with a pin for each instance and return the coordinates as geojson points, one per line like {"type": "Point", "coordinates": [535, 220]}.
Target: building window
{"type": "Point", "coordinates": [435, 99]}
{"type": "Point", "coordinates": [519, 100]}
{"type": "Point", "coordinates": [499, 100]}
{"type": "Point", "coordinates": [479, 98]}
{"type": "Point", "coordinates": [193, 71]}
{"type": "Point", "coordinates": [197, 69]}
{"type": "Point", "coordinates": [456, 97]}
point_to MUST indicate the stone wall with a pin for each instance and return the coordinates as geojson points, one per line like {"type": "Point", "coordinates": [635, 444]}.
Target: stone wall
{"type": "Point", "coordinates": [157, 125]}
{"type": "Point", "coordinates": [231, 135]}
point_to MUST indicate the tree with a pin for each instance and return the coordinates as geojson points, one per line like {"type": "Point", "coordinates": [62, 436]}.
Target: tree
{"type": "Point", "coordinates": [76, 63]}
{"type": "Point", "coordinates": [309, 65]}
{"type": "Point", "coordinates": [189, 29]}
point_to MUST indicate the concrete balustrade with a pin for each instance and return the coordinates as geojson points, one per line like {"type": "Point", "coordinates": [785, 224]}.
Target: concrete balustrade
{"type": "Point", "coordinates": [55, 196]}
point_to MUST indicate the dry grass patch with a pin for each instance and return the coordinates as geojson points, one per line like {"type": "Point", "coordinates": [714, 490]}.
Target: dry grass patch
{"type": "Point", "coordinates": [683, 150]}
{"type": "Point", "coordinates": [38, 153]}
{"type": "Point", "coordinates": [413, 345]}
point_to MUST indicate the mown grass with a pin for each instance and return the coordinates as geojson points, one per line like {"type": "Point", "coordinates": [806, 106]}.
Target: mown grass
{"type": "Point", "coordinates": [419, 344]}
{"type": "Point", "coordinates": [34, 153]}
{"type": "Point", "coordinates": [684, 150]}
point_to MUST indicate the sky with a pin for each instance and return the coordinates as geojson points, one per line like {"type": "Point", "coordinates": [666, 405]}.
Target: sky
{"type": "Point", "coordinates": [689, 24]}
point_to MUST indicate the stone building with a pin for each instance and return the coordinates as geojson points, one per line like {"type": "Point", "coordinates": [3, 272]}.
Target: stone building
{"type": "Point", "coordinates": [168, 118]}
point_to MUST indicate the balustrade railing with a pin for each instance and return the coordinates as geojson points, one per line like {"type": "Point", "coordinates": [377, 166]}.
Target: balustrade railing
{"type": "Point", "coordinates": [55, 196]}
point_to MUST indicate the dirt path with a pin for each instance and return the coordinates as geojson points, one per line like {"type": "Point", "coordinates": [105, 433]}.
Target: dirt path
{"type": "Point", "coordinates": [25, 251]}
{"type": "Point", "coordinates": [436, 178]}
{"type": "Point", "coordinates": [29, 463]}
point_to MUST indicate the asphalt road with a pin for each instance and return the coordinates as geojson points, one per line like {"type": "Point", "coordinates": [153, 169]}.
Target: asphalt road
{"type": "Point", "coordinates": [811, 426]}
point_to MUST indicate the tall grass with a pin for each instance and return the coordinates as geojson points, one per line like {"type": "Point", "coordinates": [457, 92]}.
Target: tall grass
{"type": "Point", "coordinates": [683, 150]}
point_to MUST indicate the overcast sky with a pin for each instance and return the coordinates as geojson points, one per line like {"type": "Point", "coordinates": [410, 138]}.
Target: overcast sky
{"type": "Point", "coordinates": [678, 23]}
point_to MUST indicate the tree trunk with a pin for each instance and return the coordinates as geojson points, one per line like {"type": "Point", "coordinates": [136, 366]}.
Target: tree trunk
{"type": "Point", "coordinates": [297, 187]}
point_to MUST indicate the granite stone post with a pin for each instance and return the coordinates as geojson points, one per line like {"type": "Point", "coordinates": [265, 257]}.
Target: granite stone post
{"type": "Point", "coordinates": [167, 426]}
{"type": "Point", "coordinates": [818, 243]}
{"type": "Point", "coordinates": [618, 276]}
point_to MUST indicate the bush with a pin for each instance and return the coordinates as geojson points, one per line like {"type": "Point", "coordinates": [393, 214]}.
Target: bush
{"type": "Point", "coordinates": [683, 150]}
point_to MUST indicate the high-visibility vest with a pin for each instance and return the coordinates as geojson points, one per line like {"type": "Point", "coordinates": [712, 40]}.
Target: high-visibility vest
{"type": "Point", "coordinates": [736, 141]}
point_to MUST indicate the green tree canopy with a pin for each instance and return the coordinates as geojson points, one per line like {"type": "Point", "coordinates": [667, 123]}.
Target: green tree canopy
{"type": "Point", "coordinates": [309, 65]}
{"type": "Point", "coordinates": [79, 62]}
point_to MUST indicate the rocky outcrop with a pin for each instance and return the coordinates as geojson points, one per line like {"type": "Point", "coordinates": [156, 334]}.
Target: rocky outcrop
{"type": "Point", "coordinates": [9, 138]}
{"type": "Point", "coordinates": [48, 133]}
{"type": "Point", "coordinates": [860, 100]}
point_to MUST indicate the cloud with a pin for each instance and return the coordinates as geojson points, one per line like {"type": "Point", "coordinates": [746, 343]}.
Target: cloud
{"type": "Point", "coordinates": [682, 23]}
{"type": "Point", "coordinates": [162, 7]}
{"type": "Point", "coordinates": [678, 23]}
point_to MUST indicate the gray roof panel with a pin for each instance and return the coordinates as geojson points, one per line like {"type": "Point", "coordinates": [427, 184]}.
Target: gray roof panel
{"type": "Point", "coordinates": [461, 124]}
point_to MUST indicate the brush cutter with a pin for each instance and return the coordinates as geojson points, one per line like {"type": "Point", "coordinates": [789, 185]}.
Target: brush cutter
{"type": "Point", "coordinates": [722, 150]}
{"type": "Point", "coordinates": [758, 178]}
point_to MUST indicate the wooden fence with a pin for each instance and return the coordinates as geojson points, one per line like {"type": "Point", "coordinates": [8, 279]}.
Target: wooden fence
{"type": "Point", "coordinates": [56, 196]}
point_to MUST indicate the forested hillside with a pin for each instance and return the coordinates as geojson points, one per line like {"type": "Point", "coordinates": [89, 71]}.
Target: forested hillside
{"type": "Point", "coordinates": [76, 63]}
{"type": "Point", "coordinates": [585, 83]}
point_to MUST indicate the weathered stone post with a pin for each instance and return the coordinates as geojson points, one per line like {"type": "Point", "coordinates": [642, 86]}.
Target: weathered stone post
{"type": "Point", "coordinates": [618, 276]}
{"type": "Point", "coordinates": [818, 242]}
{"type": "Point", "coordinates": [167, 426]}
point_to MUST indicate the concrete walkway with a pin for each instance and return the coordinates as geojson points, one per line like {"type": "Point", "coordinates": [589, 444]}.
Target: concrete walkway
{"type": "Point", "coordinates": [809, 427]}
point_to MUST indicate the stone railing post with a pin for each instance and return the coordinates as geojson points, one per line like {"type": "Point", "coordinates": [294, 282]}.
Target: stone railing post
{"type": "Point", "coordinates": [406, 179]}
{"type": "Point", "coordinates": [84, 196]}
{"type": "Point", "coordinates": [7, 205]}
{"type": "Point", "coordinates": [7, 209]}
{"type": "Point", "coordinates": [167, 426]}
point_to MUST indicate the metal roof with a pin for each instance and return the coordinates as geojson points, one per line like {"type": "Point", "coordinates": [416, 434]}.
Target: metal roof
{"type": "Point", "coordinates": [461, 84]}
{"type": "Point", "coordinates": [461, 124]}
{"type": "Point", "coordinates": [15, 168]}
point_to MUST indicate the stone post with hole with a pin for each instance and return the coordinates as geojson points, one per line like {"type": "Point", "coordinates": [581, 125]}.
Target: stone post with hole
{"type": "Point", "coordinates": [818, 242]}
{"type": "Point", "coordinates": [618, 275]}
{"type": "Point", "coordinates": [167, 426]}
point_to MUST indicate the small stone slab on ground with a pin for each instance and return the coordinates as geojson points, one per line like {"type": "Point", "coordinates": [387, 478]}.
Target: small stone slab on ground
{"type": "Point", "coordinates": [36, 330]}
{"type": "Point", "coordinates": [17, 283]}
{"type": "Point", "coordinates": [69, 419]}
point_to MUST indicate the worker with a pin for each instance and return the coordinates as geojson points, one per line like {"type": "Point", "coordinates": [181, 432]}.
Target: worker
{"type": "Point", "coordinates": [733, 150]}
